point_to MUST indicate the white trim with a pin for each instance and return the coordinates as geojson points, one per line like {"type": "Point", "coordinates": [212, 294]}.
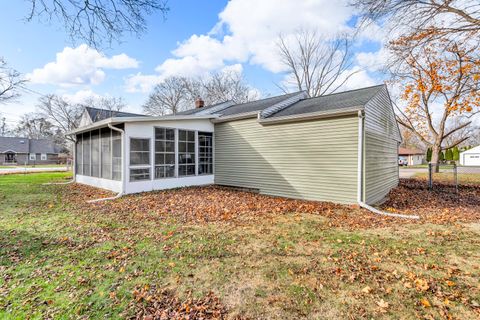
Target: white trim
{"type": "Point", "coordinates": [43, 156]}
{"type": "Point", "coordinates": [32, 157]}
{"type": "Point", "coordinates": [360, 170]}
{"type": "Point", "coordinates": [310, 116]}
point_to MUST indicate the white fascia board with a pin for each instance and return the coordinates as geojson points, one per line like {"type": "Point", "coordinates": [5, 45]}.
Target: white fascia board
{"type": "Point", "coordinates": [115, 120]}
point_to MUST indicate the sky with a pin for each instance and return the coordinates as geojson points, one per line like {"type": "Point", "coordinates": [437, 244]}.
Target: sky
{"type": "Point", "coordinates": [194, 39]}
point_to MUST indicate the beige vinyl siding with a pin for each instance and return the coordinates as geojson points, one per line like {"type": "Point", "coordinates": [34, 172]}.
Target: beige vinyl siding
{"type": "Point", "coordinates": [315, 160]}
{"type": "Point", "coordinates": [381, 148]}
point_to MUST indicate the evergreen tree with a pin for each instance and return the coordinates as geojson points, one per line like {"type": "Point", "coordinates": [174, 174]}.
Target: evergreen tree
{"type": "Point", "coordinates": [456, 154]}
{"type": "Point", "coordinates": [441, 156]}
{"type": "Point", "coordinates": [449, 155]}
{"type": "Point", "coordinates": [429, 154]}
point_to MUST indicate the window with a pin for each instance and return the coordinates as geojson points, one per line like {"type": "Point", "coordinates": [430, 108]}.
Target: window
{"type": "Point", "coordinates": [164, 153]}
{"type": "Point", "coordinates": [33, 157]}
{"type": "Point", "coordinates": [205, 153]}
{"type": "Point", "coordinates": [186, 153]}
{"type": "Point", "coordinates": [139, 174]}
{"type": "Point", "coordinates": [139, 152]}
{"type": "Point", "coordinates": [139, 157]}
{"type": "Point", "coordinates": [43, 157]}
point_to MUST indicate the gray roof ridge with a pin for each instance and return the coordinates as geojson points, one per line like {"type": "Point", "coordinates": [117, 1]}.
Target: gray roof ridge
{"type": "Point", "coordinates": [216, 108]}
{"type": "Point", "coordinates": [347, 91]}
{"type": "Point", "coordinates": [269, 111]}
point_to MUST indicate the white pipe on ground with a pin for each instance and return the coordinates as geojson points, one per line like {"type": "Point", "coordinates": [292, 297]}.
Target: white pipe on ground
{"type": "Point", "coordinates": [360, 176]}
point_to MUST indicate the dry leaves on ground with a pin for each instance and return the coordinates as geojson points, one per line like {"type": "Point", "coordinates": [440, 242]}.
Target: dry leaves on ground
{"type": "Point", "coordinates": [151, 303]}
{"type": "Point", "coordinates": [215, 203]}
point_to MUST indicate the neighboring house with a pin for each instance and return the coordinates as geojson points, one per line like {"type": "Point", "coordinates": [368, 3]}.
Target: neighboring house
{"type": "Point", "coordinates": [411, 156]}
{"type": "Point", "coordinates": [20, 151]}
{"type": "Point", "coordinates": [470, 157]}
{"type": "Point", "coordinates": [340, 147]}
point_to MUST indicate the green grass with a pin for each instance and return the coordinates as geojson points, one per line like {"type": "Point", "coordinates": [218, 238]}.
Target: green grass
{"type": "Point", "coordinates": [463, 178]}
{"type": "Point", "coordinates": [57, 261]}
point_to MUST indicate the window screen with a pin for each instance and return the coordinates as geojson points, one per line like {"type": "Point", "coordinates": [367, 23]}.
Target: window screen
{"type": "Point", "coordinates": [86, 154]}
{"type": "Point", "coordinates": [164, 153]}
{"type": "Point", "coordinates": [79, 155]}
{"type": "Point", "coordinates": [95, 156]}
{"type": "Point", "coordinates": [186, 153]}
{"type": "Point", "coordinates": [116, 155]}
{"type": "Point", "coordinates": [106, 153]}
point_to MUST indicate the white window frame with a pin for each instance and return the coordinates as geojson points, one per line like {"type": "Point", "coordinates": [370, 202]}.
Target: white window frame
{"type": "Point", "coordinates": [175, 153]}
{"type": "Point", "coordinates": [32, 157]}
{"type": "Point", "coordinates": [43, 157]}
{"type": "Point", "coordinates": [140, 166]}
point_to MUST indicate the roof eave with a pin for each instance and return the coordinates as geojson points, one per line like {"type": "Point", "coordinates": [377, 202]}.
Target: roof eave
{"type": "Point", "coordinates": [239, 116]}
{"type": "Point", "coordinates": [116, 120]}
{"type": "Point", "coordinates": [311, 116]}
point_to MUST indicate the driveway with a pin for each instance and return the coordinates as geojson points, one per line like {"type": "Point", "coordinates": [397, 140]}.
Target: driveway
{"type": "Point", "coordinates": [410, 172]}
{"type": "Point", "coordinates": [30, 170]}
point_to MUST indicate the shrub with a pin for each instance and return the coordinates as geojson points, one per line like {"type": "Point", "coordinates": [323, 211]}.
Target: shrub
{"type": "Point", "coordinates": [449, 155]}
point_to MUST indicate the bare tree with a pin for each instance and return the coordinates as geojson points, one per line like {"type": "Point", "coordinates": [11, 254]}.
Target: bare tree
{"type": "Point", "coordinates": [34, 126]}
{"type": "Point", "coordinates": [315, 64]}
{"type": "Point", "coordinates": [60, 112]}
{"type": "Point", "coordinates": [177, 94]}
{"type": "Point", "coordinates": [96, 21]}
{"type": "Point", "coordinates": [4, 127]}
{"type": "Point", "coordinates": [11, 82]}
{"type": "Point", "coordinates": [168, 97]}
{"type": "Point", "coordinates": [433, 18]}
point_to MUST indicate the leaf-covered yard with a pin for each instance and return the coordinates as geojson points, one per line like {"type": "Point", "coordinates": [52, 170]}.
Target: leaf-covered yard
{"type": "Point", "coordinates": [218, 253]}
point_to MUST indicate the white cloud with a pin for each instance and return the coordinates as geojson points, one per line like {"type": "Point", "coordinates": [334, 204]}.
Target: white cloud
{"type": "Point", "coordinates": [246, 33]}
{"type": "Point", "coordinates": [81, 96]}
{"type": "Point", "coordinates": [80, 66]}
{"type": "Point", "coordinates": [373, 61]}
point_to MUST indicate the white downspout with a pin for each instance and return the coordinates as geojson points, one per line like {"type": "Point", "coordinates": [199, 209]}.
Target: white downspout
{"type": "Point", "coordinates": [360, 175]}
{"type": "Point", "coordinates": [122, 132]}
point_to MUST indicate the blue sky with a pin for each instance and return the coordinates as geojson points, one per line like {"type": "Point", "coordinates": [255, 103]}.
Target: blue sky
{"type": "Point", "coordinates": [197, 37]}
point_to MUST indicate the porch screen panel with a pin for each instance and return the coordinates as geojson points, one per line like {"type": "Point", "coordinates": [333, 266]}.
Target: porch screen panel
{"type": "Point", "coordinates": [164, 153]}
{"type": "Point", "coordinates": [106, 153]}
{"type": "Point", "coordinates": [86, 154]}
{"type": "Point", "coordinates": [205, 153]}
{"type": "Point", "coordinates": [186, 153]}
{"type": "Point", "coordinates": [79, 155]}
{"type": "Point", "coordinates": [116, 155]}
{"type": "Point", "coordinates": [139, 159]}
{"type": "Point", "coordinates": [95, 142]}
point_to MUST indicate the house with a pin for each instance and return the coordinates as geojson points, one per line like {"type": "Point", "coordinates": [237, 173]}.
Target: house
{"type": "Point", "coordinates": [340, 147]}
{"type": "Point", "coordinates": [21, 151]}
{"type": "Point", "coordinates": [470, 157]}
{"type": "Point", "coordinates": [412, 157]}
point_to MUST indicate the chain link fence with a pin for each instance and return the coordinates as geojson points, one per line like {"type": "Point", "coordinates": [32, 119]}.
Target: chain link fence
{"type": "Point", "coordinates": [452, 177]}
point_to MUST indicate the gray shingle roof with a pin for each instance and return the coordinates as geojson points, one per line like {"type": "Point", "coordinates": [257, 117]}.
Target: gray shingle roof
{"type": "Point", "coordinates": [25, 145]}
{"type": "Point", "coordinates": [43, 146]}
{"type": "Point", "coordinates": [97, 114]}
{"type": "Point", "coordinates": [335, 101]}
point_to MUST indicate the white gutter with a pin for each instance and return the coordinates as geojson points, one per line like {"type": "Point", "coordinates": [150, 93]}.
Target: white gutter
{"type": "Point", "coordinates": [122, 132]}
{"type": "Point", "coordinates": [360, 174]}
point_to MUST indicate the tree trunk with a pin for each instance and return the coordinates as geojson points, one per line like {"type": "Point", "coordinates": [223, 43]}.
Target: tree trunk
{"type": "Point", "coordinates": [436, 157]}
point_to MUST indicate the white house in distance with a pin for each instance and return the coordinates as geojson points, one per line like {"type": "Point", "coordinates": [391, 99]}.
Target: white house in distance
{"type": "Point", "coordinates": [470, 157]}
{"type": "Point", "coordinates": [340, 147]}
{"type": "Point", "coordinates": [412, 156]}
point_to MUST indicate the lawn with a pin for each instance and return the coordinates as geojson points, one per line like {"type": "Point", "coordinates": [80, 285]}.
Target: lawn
{"type": "Point", "coordinates": [444, 177]}
{"type": "Point", "coordinates": [233, 257]}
